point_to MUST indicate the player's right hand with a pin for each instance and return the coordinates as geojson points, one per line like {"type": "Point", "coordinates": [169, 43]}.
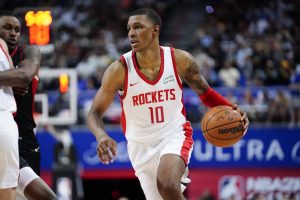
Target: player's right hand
{"type": "Point", "coordinates": [106, 149]}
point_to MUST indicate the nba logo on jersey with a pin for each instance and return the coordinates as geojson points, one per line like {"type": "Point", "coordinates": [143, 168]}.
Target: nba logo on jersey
{"type": "Point", "coordinates": [231, 187]}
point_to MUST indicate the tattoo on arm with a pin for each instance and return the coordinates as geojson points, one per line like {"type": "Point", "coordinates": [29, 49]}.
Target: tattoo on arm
{"type": "Point", "coordinates": [195, 79]}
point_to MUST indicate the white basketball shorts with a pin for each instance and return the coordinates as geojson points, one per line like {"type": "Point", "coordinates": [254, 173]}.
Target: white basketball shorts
{"type": "Point", "coordinates": [9, 156]}
{"type": "Point", "coordinates": [145, 160]}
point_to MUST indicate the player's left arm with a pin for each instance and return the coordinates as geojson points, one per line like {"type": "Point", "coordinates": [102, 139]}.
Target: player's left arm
{"type": "Point", "coordinates": [22, 75]}
{"type": "Point", "coordinates": [31, 62]}
{"type": "Point", "coordinates": [31, 65]}
{"type": "Point", "coordinates": [189, 72]}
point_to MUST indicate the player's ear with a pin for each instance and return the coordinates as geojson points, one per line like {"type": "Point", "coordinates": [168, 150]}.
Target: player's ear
{"type": "Point", "coordinates": [156, 29]}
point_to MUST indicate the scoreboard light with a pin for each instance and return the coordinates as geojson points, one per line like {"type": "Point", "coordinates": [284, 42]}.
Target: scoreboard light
{"type": "Point", "coordinates": [63, 83]}
{"type": "Point", "coordinates": [39, 26]}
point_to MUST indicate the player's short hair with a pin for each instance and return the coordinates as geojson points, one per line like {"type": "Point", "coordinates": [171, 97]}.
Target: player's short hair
{"type": "Point", "coordinates": [150, 13]}
{"type": "Point", "coordinates": [6, 13]}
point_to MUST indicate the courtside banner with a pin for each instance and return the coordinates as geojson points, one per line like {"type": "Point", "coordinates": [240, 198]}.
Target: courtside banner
{"type": "Point", "coordinates": [247, 184]}
{"type": "Point", "coordinates": [261, 147]}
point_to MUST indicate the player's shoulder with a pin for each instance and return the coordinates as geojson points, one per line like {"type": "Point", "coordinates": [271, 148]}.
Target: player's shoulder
{"type": "Point", "coordinates": [116, 66]}
{"type": "Point", "coordinates": [2, 41]}
{"type": "Point", "coordinates": [182, 56]}
{"type": "Point", "coordinates": [115, 70]}
{"type": "Point", "coordinates": [114, 75]}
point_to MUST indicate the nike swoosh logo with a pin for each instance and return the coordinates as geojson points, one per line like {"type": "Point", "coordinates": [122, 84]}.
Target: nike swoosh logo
{"type": "Point", "coordinates": [35, 149]}
{"type": "Point", "coordinates": [132, 84]}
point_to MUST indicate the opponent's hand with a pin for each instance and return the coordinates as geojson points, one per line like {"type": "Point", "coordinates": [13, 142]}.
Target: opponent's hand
{"type": "Point", "coordinates": [106, 149]}
{"type": "Point", "coordinates": [20, 90]}
{"type": "Point", "coordinates": [244, 117]}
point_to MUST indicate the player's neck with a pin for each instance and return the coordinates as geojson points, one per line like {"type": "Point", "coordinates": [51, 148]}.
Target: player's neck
{"type": "Point", "coordinates": [147, 58]}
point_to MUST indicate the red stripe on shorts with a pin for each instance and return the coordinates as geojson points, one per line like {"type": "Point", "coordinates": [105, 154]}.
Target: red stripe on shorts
{"type": "Point", "coordinates": [188, 142]}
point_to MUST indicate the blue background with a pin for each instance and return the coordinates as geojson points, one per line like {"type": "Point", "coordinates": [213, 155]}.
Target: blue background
{"type": "Point", "coordinates": [261, 147]}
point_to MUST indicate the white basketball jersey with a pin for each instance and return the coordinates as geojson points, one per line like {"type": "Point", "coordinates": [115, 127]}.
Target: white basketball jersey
{"type": "Point", "coordinates": [152, 109]}
{"type": "Point", "coordinates": [7, 100]}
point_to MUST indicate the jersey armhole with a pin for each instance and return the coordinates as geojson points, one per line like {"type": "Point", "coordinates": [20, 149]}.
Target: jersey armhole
{"type": "Point", "coordinates": [178, 79]}
{"type": "Point", "coordinates": [122, 94]}
{"type": "Point", "coordinates": [5, 53]}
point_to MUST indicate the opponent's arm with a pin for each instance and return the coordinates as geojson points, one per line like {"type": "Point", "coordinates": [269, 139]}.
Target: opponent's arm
{"type": "Point", "coordinates": [28, 68]}
{"type": "Point", "coordinates": [113, 79]}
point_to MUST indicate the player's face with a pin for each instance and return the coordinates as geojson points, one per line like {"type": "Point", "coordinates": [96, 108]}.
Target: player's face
{"type": "Point", "coordinates": [10, 29]}
{"type": "Point", "coordinates": [141, 32]}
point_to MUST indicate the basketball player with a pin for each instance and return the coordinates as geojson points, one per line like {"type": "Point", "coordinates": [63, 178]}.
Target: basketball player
{"type": "Point", "coordinates": [27, 59]}
{"type": "Point", "coordinates": [149, 82]}
{"type": "Point", "coordinates": [9, 159]}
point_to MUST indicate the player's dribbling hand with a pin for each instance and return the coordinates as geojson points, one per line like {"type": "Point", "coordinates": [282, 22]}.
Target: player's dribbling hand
{"type": "Point", "coordinates": [106, 149]}
{"type": "Point", "coordinates": [244, 117]}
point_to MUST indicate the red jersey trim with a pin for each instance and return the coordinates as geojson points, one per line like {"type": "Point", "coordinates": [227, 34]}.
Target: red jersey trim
{"type": "Point", "coordinates": [175, 69]}
{"type": "Point", "coordinates": [161, 70]}
{"type": "Point", "coordinates": [183, 108]}
{"type": "Point", "coordinates": [14, 51]}
{"type": "Point", "coordinates": [123, 118]}
{"type": "Point", "coordinates": [126, 78]}
{"type": "Point", "coordinates": [179, 82]}
{"type": "Point", "coordinates": [4, 52]}
{"type": "Point", "coordinates": [21, 52]}
{"type": "Point", "coordinates": [34, 88]}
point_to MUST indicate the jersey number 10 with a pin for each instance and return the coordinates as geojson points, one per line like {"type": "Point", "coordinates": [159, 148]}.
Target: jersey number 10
{"type": "Point", "coordinates": [157, 114]}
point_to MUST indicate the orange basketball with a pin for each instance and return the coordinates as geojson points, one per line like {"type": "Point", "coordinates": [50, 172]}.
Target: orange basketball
{"type": "Point", "coordinates": [221, 126]}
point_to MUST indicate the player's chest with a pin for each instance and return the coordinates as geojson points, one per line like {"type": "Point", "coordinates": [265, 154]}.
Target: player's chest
{"type": "Point", "coordinates": [150, 74]}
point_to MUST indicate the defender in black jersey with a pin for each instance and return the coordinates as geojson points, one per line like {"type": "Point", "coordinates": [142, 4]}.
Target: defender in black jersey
{"type": "Point", "coordinates": [28, 144]}
{"type": "Point", "coordinates": [27, 60]}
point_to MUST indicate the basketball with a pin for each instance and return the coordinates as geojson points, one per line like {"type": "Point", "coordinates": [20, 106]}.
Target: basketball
{"type": "Point", "coordinates": [221, 126]}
